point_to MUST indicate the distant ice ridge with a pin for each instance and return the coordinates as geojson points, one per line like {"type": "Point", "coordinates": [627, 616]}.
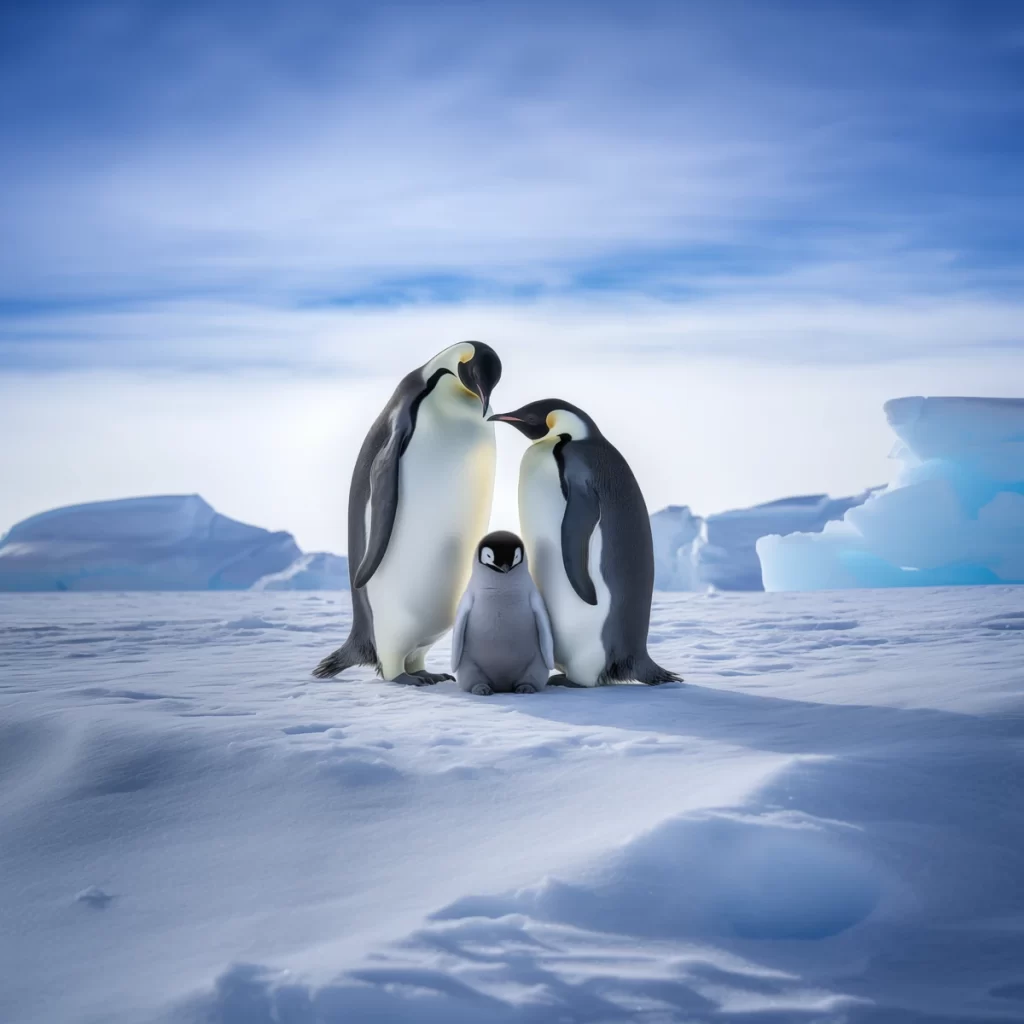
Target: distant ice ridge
{"type": "Point", "coordinates": [953, 515]}
{"type": "Point", "coordinates": [693, 553]}
{"type": "Point", "coordinates": [171, 542]}
{"type": "Point", "coordinates": [317, 571]}
{"type": "Point", "coordinates": [179, 542]}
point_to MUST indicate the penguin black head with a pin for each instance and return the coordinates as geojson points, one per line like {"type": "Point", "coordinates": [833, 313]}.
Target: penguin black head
{"type": "Point", "coordinates": [550, 417]}
{"type": "Point", "coordinates": [480, 372]}
{"type": "Point", "coordinates": [501, 551]}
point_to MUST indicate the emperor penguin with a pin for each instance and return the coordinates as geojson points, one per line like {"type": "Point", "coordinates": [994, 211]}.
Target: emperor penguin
{"type": "Point", "coordinates": [502, 637]}
{"type": "Point", "coordinates": [588, 537]}
{"type": "Point", "coordinates": [419, 500]}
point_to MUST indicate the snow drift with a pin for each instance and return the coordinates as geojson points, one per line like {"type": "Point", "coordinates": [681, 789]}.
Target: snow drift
{"type": "Point", "coordinates": [953, 515]}
{"type": "Point", "coordinates": [693, 553]}
{"type": "Point", "coordinates": [172, 542]}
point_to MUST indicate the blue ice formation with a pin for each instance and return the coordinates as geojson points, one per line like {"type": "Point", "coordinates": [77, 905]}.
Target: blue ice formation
{"type": "Point", "coordinates": [953, 515]}
{"type": "Point", "coordinates": [317, 571]}
{"type": "Point", "coordinates": [693, 553]}
{"type": "Point", "coordinates": [172, 542]}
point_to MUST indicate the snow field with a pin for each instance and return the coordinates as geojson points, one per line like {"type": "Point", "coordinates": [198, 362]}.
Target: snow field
{"type": "Point", "coordinates": [820, 825]}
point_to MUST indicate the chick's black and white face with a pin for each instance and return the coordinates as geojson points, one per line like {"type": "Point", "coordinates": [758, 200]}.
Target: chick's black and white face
{"type": "Point", "coordinates": [501, 551]}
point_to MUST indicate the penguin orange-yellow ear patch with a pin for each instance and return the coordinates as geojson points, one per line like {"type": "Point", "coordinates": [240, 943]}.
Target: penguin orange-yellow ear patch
{"type": "Point", "coordinates": [466, 356]}
{"type": "Point", "coordinates": [550, 421]}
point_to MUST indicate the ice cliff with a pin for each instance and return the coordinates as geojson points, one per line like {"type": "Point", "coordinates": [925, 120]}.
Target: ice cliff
{"type": "Point", "coordinates": [674, 531]}
{"type": "Point", "coordinates": [953, 515]}
{"type": "Point", "coordinates": [173, 542]}
{"type": "Point", "coordinates": [317, 571]}
{"type": "Point", "coordinates": [692, 552]}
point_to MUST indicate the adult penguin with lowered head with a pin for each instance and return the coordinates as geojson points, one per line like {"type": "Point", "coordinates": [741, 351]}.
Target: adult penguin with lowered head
{"type": "Point", "coordinates": [588, 538]}
{"type": "Point", "coordinates": [419, 501]}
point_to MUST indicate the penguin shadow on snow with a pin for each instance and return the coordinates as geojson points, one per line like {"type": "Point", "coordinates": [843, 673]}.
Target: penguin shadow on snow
{"type": "Point", "coordinates": [910, 794]}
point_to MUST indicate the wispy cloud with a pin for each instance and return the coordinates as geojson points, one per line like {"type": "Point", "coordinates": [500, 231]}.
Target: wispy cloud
{"type": "Point", "coordinates": [329, 153]}
{"type": "Point", "coordinates": [770, 325]}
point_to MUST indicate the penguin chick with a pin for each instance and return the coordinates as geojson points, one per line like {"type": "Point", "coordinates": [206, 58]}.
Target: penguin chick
{"type": "Point", "coordinates": [502, 639]}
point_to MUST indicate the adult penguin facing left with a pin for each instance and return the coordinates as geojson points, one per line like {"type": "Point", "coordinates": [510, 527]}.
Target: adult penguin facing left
{"type": "Point", "coordinates": [419, 501]}
{"type": "Point", "coordinates": [588, 537]}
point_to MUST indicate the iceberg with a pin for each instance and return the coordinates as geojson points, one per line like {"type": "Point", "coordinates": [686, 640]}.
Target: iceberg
{"type": "Point", "coordinates": [726, 555]}
{"type": "Point", "coordinates": [171, 542]}
{"type": "Point", "coordinates": [953, 515]}
{"type": "Point", "coordinates": [694, 553]}
{"type": "Point", "coordinates": [674, 530]}
{"type": "Point", "coordinates": [319, 570]}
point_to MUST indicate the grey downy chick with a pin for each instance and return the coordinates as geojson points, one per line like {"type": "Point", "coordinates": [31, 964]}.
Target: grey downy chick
{"type": "Point", "coordinates": [502, 637]}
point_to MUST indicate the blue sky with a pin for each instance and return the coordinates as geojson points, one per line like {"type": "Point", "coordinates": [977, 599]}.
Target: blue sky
{"type": "Point", "coordinates": [209, 196]}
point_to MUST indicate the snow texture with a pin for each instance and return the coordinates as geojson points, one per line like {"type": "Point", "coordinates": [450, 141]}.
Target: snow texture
{"type": "Point", "coordinates": [953, 515]}
{"type": "Point", "coordinates": [694, 553]}
{"type": "Point", "coordinates": [822, 825]}
{"type": "Point", "coordinates": [172, 542]}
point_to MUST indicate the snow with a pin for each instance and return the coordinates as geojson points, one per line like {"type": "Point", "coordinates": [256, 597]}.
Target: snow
{"type": "Point", "coordinates": [694, 553]}
{"type": "Point", "coordinates": [170, 542]}
{"type": "Point", "coordinates": [953, 515]}
{"type": "Point", "coordinates": [823, 824]}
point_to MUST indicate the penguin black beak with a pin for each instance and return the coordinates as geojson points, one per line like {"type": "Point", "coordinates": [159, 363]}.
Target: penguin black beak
{"type": "Point", "coordinates": [475, 378]}
{"type": "Point", "coordinates": [533, 431]}
{"type": "Point", "coordinates": [483, 391]}
{"type": "Point", "coordinates": [482, 373]}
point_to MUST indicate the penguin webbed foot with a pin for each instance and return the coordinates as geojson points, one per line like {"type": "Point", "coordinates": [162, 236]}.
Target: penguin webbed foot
{"type": "Point", "coordinates": [434, 677]}
{"type": "Point", "coordinates": [412, 679]}
{"type": "Point", "coordinates": [561, 679]}
{"type": "Point", "coordinates": [481, 690]}
{"type": "Point", "coordinates": [526, 688]}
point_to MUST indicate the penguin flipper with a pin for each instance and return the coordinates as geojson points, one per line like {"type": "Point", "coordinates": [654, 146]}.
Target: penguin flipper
{"type": "Point", "coordinates": [383, 497]}
{"type": "Point", "coordinates": [459, 629]}
{"type": "Point", "coordinates": [547, 641]}
{"type": "Point", "coordinates": [582, 512]}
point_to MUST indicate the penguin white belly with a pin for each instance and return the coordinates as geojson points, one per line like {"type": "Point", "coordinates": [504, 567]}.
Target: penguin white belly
{"type": "Point", "coordinates": [575, 625]}
{"type": "Point", "coordinates": [445, 486]}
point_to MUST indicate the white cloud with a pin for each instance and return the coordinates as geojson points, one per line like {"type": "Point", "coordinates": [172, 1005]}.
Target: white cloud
{"type": "Point", "coordinates": [779, 324]}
